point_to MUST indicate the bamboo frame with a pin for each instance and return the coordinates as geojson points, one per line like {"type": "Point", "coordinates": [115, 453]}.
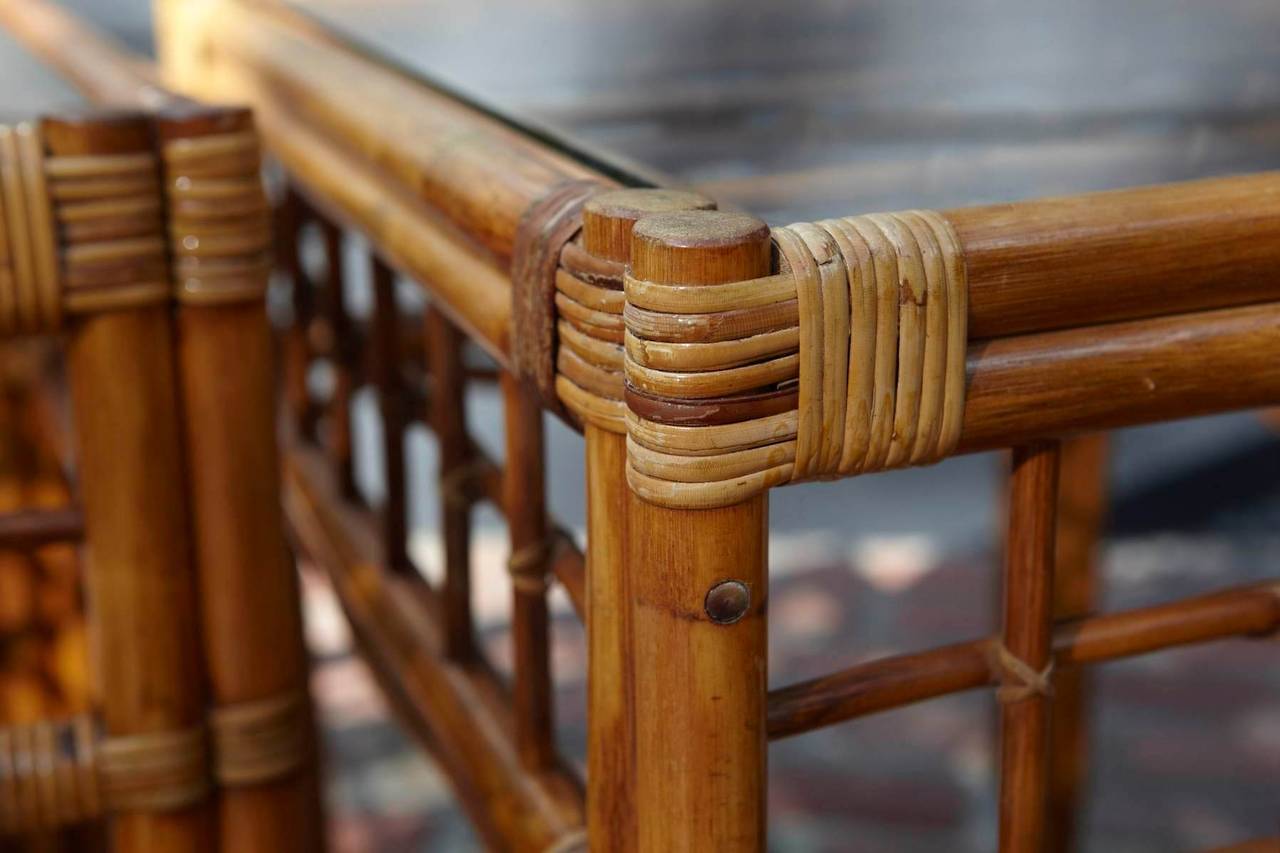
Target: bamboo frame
{"type": "Point", "coordinates": [1051, 352]}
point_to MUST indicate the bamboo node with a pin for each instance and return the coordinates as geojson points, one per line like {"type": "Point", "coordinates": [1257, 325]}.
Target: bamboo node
{"type": "Point", "coordinates": [1018, 680]}
{"type": "Point", "coordinates": [259, 740]}
{"type": "Point", "coordinates": [459, 485]}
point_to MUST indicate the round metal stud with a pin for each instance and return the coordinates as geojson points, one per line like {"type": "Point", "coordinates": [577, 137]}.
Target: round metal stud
{"type": "Point", "coordinates": [727, 602]}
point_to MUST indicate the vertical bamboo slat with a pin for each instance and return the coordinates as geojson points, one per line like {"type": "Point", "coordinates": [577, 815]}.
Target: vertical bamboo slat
{"type": "Point", "coordinates": [391, 403]}
{"type": "Point", "coordinates": [141, 580]}
{"type": "Point", "coordinates": [1082, 501]}
{"type": "Point", "coordinates": [341, 352]}
{"type": "Point", "coordinates": [699, 685]}
{"type": "Point", "coordinates": [1027, 644]}
{"type": "Point", "coordinates": [297, 344]}
{"type": "Point", "coordinates": [448, 422]}
{"type": "Point", "coordinates": [250, 605]}
{"type": "Point", "coordinates": [524, 498]}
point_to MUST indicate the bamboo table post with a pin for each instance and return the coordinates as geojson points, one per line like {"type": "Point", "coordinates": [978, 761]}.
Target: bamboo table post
{"type": "Point", "coordinates": [120, 361]}
{"type": "Point", "coordinates": [607, 222]}
{"type": "Point", "coordinates": [250, 607]}
{"type": "Point", "coordinates": [1026, 653]}
{"type": "Point", "coordinates": [699, 591]}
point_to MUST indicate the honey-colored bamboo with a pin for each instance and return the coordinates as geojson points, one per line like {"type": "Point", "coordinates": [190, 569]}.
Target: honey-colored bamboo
{"type": "Point", "coordinates": [251, 616]}
{"type": "Point", "coordinates": [1028, 629]}
{"type": "Point", "coordinates": [141, 579]}
{"type": "Point", "coordinates": [699, 685]}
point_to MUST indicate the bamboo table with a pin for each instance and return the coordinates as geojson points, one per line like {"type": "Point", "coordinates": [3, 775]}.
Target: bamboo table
{"type": "Point", "coordinates": [708, 358]}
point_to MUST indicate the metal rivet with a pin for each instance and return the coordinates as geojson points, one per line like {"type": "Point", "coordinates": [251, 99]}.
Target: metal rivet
{"type": "Point", "coordinates": [728, 601]}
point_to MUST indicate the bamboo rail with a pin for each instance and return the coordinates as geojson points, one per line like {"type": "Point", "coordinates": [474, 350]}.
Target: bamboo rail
{"type": "Point", "coordinates": [33, 528]}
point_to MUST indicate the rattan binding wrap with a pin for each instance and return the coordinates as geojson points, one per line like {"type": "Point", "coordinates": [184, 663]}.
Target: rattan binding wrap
{"type": "Point", "coordinates": [850, 359]}
{"type": "Point", "coordinates": [110, 228]}
{"type": "Point", "coordinates": [219, 219]}
{"type": "Point", "coordinates": [29, 293]}
{"type": "Point", "coordinates": [48, 776]}
{"type": "Point", "coordinates": [259, 741]}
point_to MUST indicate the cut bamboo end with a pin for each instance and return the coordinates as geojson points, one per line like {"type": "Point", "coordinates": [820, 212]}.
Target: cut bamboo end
{"type": "Point", "coordinates": [590, 301]}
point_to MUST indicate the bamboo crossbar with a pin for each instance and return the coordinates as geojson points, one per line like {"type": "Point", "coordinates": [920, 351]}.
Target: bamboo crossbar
{"type": "Point", "coordinates": [33, 528]}
{"type": "Point", "coordinates": [696, 347]}
{"type": "Point", "coordinates": [893, 682]}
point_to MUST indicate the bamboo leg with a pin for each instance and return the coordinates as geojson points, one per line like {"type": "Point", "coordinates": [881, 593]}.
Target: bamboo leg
{"type": "Point", "coordinates": [250, 603]}
{"type": "Point", "coordinates": [607, 223]}
{"type": "Point", "coordinates": [1082, 501]}
{"type": "Point", "coordinates": [448, 421]}
{"type": "Point", "coordinates": [699, 684]}
{"type": "Point", "coordinates": [141, 579]}
{"type": "Point", "coordinates": [524, 497]}
{"type": "Point", "coordinates": [1028, 624]}
{"type": "Point", "coordinates": [391, 401]}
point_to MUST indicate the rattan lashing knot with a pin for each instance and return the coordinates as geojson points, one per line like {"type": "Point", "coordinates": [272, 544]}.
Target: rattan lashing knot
{"type": "Point", "coordinates": [1018, 680]}
{"type": "Point", "coordinates": [528, 566]}
{"type": "Point", "coordinates": [154, 771]}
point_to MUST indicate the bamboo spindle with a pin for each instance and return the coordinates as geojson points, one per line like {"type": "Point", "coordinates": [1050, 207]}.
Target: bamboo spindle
{"type": "Point", "coordinates": [292, 215]}
{"type": "Point", "coordinates": [385, 353]}
{"type": "Point", "coordinates": [699, 683]}
{"type": "Point", "coordinates": [1026, 652]}
{"type": "Point", "coordinates": [1082, 502]}
{"type": "Point", "coordinates": [524, 499]}
{"type": "Point", "coordinates": [250, 602]}
{"type": "Point", "coordinates": [607, 223]}
{"type": "Point", "coordinates": [341, 357]}
{"type": "Point", "coordinates": [456, 460]}
{"type": "Point", "coordinates": [141, 578]}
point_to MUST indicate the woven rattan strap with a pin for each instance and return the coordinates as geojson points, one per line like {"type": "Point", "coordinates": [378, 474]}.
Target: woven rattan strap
{"type": "Point", "coordinates": [850, 359]}
{"type": "Point", "coordinates": [545, 228]}
{"type": "Point", "coordinates": [109, 217]}
{"type": "Point", "coordinates": [156, 771]}
{"type": "Point", "coordinates": [48, 776]}
{"type": "Point", "coordinates": [219, 220]}
{"type": "Point", "coordinates": [29, 292]}
{"type": "Point", "coordinates": [260, 740]}
{"type": "Point", "coordinates": [528, 565]}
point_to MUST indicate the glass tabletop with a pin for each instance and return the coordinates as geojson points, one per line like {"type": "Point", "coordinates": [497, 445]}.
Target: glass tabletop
{"type": "Point", "coordinates": [819, 107]}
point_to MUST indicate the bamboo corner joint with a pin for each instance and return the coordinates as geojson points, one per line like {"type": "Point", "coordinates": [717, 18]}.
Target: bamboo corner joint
{"type": "Point", "coordinates": [93, 231]}
{"type": "Point", "coordinates": [118, 211]}
{"type": "Point", "coordinates": [849, 358]}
